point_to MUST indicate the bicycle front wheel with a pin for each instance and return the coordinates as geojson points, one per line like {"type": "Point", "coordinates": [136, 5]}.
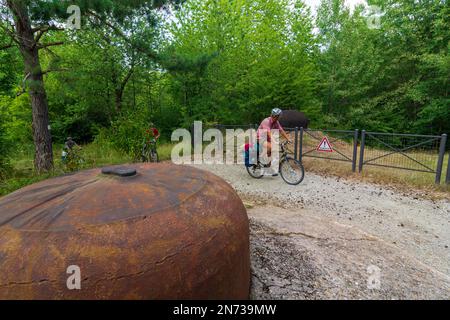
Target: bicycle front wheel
{"type": "Point", "coordinates": [292, 171]}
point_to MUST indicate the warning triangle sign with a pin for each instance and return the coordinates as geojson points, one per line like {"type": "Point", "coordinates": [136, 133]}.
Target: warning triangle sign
{"type": "Point", "coordinates": [325, 146]}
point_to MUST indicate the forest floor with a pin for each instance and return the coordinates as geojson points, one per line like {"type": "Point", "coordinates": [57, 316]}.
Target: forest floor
{"type": "Point", "coordinates": [324, 238]}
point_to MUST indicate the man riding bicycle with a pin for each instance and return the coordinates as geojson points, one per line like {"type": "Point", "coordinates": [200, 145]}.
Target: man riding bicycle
{"type": "Point", "coordinates": [152, 134]}
{"type": "Point", "coordinates": [264, 134]}
{"type": "Point", "coordinates": [149, 152]}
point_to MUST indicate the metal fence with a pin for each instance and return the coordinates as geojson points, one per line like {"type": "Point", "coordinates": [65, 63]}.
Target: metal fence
{"type": "Point", "coordinates": [420, 153]}
{"type": "Point", "coordinates": [403, 151]}
{"type": "Point", "coordinates": [344, 144]}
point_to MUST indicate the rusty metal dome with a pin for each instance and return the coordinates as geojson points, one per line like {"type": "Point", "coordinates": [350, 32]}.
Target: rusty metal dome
{"type": "Point", "coordinates": [144, 231]}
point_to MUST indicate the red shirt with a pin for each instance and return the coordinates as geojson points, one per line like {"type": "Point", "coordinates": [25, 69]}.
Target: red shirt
{"type": "Point", "coordinates": [266, 126]}
{"type": "Point", "coordinates": [152, 133]}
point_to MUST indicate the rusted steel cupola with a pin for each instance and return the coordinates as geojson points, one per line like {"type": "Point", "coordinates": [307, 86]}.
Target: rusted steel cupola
{"type": "Point", "coordinates": [143, 231]}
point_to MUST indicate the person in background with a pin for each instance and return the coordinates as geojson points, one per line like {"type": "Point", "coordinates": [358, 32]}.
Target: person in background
{"type": "Point", "coordinates": [152, 134]}
{"type": "Point", "coordinates": [68, 147]}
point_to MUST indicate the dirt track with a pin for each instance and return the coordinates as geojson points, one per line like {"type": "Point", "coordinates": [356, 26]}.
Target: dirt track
{"type": "Point", "coordinates": [316, 240]}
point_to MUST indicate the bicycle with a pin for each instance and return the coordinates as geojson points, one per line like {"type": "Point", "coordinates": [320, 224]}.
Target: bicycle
{"type": "Point", "coordinates": [149, 152]}
{"type": "Point", "coordinates": [291, 170]}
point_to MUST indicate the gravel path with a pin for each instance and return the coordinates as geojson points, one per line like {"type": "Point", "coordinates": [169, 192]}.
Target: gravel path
{"type": "Point", "coordinates": [412, 235]}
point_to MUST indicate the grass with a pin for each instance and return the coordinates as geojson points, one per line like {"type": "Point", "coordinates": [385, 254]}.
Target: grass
{"type": "Point", "coordinates": [96, 155]}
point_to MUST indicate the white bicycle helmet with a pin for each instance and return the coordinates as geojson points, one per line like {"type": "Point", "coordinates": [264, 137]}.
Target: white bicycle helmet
{"type": "Point", "coordinates": [276, 112]}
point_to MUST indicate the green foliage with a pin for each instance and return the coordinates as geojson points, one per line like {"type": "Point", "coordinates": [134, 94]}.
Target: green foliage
{"type": "Point", "coordinates": [258, 59]}
{"type": "Point", "coordinates": [126, 133]}
{"type": "Point", "coordinates": [74, 160]}
{"type": "Point", "coordinates": [18, 127]}
{"type": "Point", "coordinates": [4, 146]}
{"type": "Point", "coordinates": [9, 65]}
{"type": "Point", "coordinates": [394, 78]}
{"type": "Point", "coordinates": [45, 11]}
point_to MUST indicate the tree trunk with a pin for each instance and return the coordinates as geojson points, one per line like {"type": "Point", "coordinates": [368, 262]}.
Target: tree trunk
{"type": "Point", "coordinates": [43, 160]}
{"type": "Point", "coordinates": [119, 96]}
{"type": "Point", "coordinates": [120, 89]}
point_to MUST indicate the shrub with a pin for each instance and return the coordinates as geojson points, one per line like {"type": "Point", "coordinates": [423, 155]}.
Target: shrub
{"type": "Point", "coordinates": [126, 134]}
{"type": "Point", "coordinates": [5, 147]}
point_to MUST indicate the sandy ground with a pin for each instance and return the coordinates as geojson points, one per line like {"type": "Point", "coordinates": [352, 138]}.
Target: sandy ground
{"type": "Point", "coordinates": [327, 239]}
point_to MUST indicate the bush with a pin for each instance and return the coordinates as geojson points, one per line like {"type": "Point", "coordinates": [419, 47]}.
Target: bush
{"type": "Point", "coordinates": [5, 147]}
{"type": "Point", "coordinates": [17, 119]}
{"type": "Point", "coordinates": [126, 134]}
{"type": "Point", "coordinates": [74, 160]}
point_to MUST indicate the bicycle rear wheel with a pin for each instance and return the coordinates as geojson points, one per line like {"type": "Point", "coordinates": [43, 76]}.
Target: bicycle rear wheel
{"type": "Point", "coordinates": [255, 171]}
{"type": "Point", "coordinates": [292, 171]}
{"type": "Point", "coordinates": [145, 157]}
{"type": "Point", "coordinates": [154, 156]}
{"type": "Point", "coordinates": [144, 154]}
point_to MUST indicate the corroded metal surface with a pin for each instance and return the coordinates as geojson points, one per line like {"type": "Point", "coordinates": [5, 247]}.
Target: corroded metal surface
{"type": "Point", "coordinates": [167, 232]}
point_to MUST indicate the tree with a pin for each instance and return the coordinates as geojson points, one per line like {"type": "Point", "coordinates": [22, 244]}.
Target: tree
{"type": "Point", "coordinates": [393, 78]}
{"type": "Point", "coordinates": [259, 58]}
{"type": "Point", "coordinates": [27, 22]}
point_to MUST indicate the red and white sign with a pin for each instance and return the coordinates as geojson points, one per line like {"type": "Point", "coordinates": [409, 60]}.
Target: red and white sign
{"type": "Point", "coordinates": [325, 146]}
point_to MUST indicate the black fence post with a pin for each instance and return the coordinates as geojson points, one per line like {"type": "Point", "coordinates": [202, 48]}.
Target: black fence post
{"type": "Point", "coordinates": [447, 178]}
{"type": "Point", "coordinates": [300, 156]}
{"type": "Point", "coordinates": [192, 136]}
{"type": "Point", "coordinates": [355, 150]}
{"type": "Point", "coordinates": [441, 158]}
{"type": "Point", "coordinates": [296, 144]}
{"type": "Point", "coordinates": [221, 140]}
{"type": "Point", "coordinates": [363, 145]}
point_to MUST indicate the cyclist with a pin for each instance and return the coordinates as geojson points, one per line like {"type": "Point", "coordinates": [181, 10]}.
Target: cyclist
{"type": "Point", "coordinates": [264, 134]}
{"type": "Point", "coordinates": [149, 152]}
{"type": "Point", "coordinates": [68, 148]}
{"type": "Point", "coordinates": [152, 134]}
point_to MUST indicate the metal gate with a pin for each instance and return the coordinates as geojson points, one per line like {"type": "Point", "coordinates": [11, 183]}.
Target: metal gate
{"type": "Point", "coordinates": [343, 144]}
{"type": "Point", "coordinates": [404, 151]}
{"type": "Point", "coordinates": [421, 153]}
